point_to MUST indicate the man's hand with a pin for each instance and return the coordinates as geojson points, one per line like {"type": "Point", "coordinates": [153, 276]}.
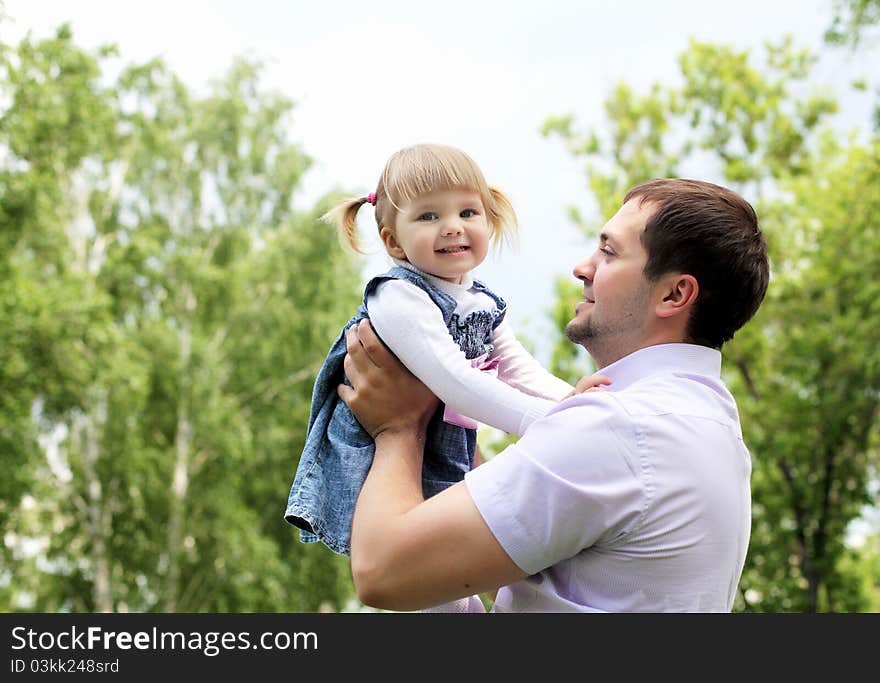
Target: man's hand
{"type": "Point", "coordinates": [589, 383]}
{"type": "Point", "coordinates": [385, 397]}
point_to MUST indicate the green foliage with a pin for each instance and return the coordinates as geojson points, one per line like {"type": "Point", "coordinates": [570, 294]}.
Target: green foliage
{"type": "Point", "coordinates": [852, 18]}
{"type": "Point", "coordinates": [855, 20]}
{"type": "Point", "coordinates": [746, 115]}
{"type": "Point", "coordinates": [861, 566]}
{"type": "Point", "coordinates": [632, 148]}
{"type": "Point", "coordinates": [164, 311]}
{"type": "Point", "coordinates": [815, 381]}
{"type": "Point", "coordinates": [805, 371]}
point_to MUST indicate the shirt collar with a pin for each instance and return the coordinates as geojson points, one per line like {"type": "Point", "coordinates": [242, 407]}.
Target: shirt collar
{"type": "Point", "coordinates": [467, 280]}
{"type": "Point", "coordinates": [663, 358]}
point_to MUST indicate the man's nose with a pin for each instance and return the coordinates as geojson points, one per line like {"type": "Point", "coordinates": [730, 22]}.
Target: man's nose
{"type": "Point", "coordinates": [584, 270]}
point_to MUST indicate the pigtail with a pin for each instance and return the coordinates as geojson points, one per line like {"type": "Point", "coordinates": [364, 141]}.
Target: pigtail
{"type": "Point", "coordinates": [344, 217]}
{"type": "Point", "coordinates": [502, 218]}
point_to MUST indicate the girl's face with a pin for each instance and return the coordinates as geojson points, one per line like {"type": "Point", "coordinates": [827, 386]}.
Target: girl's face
{"type": "Point", "coordinates": [443, 233]}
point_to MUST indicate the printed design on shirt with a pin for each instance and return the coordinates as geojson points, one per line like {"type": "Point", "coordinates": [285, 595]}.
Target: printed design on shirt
{"type": "Point", "coordinates": [473, 333]}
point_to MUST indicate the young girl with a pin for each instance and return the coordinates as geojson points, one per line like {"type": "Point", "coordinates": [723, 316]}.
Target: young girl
{"type": "Point", "coordinates": [436, 217]}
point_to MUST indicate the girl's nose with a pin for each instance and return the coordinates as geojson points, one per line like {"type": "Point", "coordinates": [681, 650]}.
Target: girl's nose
{"type": "Point", "coordinates": [452, 227]}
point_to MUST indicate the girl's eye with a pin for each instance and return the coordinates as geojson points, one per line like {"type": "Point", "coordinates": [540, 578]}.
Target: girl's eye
{"type": "Point", "coordinates": [428, 216]}
{"type": "Point", "coordinates": [606, 251]}
{"type": "Point", "coordinates": [468, 213]}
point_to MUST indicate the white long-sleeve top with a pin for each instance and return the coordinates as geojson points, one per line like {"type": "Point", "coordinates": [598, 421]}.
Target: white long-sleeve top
{"type": "Point", "coordinates": [412, 326]}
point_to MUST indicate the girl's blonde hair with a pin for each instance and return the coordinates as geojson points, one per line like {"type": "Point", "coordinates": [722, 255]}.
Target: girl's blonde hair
{"type": "Point", "coordinates": [418, 170]}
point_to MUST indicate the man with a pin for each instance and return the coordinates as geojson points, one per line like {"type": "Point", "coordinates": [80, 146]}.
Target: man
{"type": "Point", "coordinates": [634, 498]}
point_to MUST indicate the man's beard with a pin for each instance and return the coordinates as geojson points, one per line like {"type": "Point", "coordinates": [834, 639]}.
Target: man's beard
{"type": "Point", "coordinates": [598, 338]}
{"type": "Point", "coordinates": [581, 331]}
{"type": "Point", "coordinates": [612, 337]}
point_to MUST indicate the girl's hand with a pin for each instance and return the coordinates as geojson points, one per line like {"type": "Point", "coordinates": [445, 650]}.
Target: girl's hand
{"type": "Point", "coordinates": [595, 382]}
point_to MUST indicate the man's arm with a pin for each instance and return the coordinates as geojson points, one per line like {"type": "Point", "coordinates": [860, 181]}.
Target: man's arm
{"type": "Point", "coordinates": [408, 553]}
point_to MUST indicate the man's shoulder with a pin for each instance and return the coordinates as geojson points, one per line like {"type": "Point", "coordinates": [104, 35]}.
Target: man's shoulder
{"type": "Point", "coordinates": [586, 413]}
{"type": "Point", "coordinates": [680, 393]}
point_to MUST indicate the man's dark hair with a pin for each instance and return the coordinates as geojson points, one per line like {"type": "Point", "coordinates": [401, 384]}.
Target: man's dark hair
{"type": "Point", "coordinates": [711, 233]}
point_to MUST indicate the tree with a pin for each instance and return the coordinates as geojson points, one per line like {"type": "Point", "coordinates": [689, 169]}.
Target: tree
{"type": "Point", "coordinates": [804, 371]}
{"type": "Point", "coordinates": [852, 19]}
{"type": "Point", "coordinates": [187, 308]}
{"type": "Point", "coordinates": [816, 382]}
{"type": "Point", "coordinates": [54, 321]}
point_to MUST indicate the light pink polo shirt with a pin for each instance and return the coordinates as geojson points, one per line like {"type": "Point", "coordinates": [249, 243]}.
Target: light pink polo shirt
{"type": "Point", "coordinates": [633, 499]}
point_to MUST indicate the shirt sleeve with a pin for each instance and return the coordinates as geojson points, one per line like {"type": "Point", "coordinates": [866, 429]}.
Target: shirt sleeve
{"type": "Point", "coordinates": [569, 483]}
{"type": "Point", "coordinates": [518, 368]}
{"type": "Point", "coordinates": [412, 326]}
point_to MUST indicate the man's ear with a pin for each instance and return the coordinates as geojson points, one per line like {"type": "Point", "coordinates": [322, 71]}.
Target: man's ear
{"type": "Point", "coordinates": [392, 246]}
{"type": "Point", "coordinates": [679, 292]}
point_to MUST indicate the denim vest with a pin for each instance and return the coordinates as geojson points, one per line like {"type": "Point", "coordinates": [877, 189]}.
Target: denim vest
{"type": "Point", "coordinates": [338, 452]}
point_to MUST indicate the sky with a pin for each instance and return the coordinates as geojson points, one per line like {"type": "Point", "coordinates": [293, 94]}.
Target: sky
{"type": "Point", "coordinates": [369, 78]}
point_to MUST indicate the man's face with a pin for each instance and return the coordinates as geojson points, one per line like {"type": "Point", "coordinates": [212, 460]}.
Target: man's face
{"type": "Point", "coordinates": [614, 318]}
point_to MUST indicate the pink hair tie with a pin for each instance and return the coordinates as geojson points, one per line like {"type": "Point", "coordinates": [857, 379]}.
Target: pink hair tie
{"type": "Point", "coordinates": [372, 198]}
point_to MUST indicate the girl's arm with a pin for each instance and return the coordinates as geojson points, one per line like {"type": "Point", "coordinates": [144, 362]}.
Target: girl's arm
{"type": "Point", "coordinates": [412, 327]}
{"type": "Point", "coordinates": [519, 369]}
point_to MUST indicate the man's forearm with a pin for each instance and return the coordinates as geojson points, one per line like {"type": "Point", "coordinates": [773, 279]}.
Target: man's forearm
{"type": "Point", "coordinates": [410, 553]}
{"type": "Point", "coordinates": [392, 488]}
{"type": "Point", "coordinates": [394, 482]}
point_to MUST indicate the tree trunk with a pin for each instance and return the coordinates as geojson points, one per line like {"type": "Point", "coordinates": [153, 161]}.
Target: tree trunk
{"type": "Point", "coordinates": [182, 446]}
{"type": "Point", "coordinates": [98, 519]}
